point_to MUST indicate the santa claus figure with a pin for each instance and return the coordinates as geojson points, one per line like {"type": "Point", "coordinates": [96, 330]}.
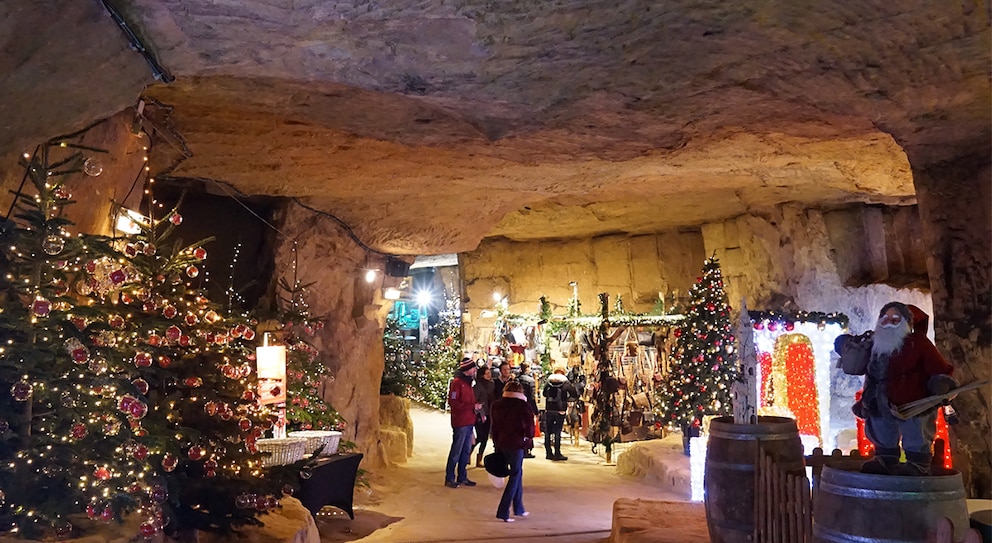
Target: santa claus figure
{"type": "Point", "coordinates": [904, 367]}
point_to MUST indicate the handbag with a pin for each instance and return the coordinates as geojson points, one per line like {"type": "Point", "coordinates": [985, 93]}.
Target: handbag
{"type": "Point", "coordinates": [496, 464]}
{"type": "Point", "coordinates": [855, 352]}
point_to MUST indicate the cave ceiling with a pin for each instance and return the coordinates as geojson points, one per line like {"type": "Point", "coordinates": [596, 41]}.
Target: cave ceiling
{"type": "Point", "coordinates": [428, 126]}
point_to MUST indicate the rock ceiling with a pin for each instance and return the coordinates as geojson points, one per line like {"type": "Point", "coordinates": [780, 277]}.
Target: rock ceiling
{"type": "Point", "coordinates": [428, 126]}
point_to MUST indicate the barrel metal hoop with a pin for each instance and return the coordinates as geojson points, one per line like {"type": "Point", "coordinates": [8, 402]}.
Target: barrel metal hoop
{"type": "Point", "coordinates": [832, 536]}
{"type": "Point", "coordinates": [728, 465]}
{"type": "Point", "coordinates": [752, 437]}
{"type": "Point", "coordinates": [946, 495]}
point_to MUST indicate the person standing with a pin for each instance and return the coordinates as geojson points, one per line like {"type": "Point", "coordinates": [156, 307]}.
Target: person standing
{"type": "Point", "coordinates": [505, 376]}
{"type": "Point", "coordinates": [904, 367]}
{"type": "Point", "coordinates": [513, 432]}
{"type": "Point", "coordinates": [461, 399]}
{"type": "Point", "coordinates": [484, 390]}
{"type": "Point", "coordinates": [526, 380]}
{"type": "Point", "coordinates": [557, 393]}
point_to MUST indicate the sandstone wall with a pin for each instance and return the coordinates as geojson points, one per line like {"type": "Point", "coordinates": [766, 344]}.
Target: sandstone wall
{"type": "Point", "coordinates": [636, 267]}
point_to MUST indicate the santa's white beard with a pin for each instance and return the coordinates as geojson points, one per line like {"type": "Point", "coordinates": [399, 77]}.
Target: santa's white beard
{"type": "Point", "coordinates": [888, 340]}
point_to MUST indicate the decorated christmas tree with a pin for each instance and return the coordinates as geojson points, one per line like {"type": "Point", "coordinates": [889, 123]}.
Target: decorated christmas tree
{"type": "Point", "coordinates": [439, 360]}
{"type": "Point", "coordinates": [399, 373]}
{"type": "Point", "coordinates": [130, 392]}
{"type": "Point", "coordinates": [705, 360]}
{"type": "Point", "coordinates": [305, 373]}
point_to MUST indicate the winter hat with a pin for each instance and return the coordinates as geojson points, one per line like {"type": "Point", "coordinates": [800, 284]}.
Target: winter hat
{"type": "Point", "coordinates": [902, 308]}
{"type": "Point", "coordinates": [466, 364]}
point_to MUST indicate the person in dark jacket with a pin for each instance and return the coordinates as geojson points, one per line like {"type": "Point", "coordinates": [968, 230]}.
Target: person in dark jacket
{"type": "Point", "coordinates": [504, 377]}
{"type": "Point", "coordinates": [513, 432]}
{"type": "Point", "coordinates": [526, 380]}
{"type": "Point", "coordinates": [557, 393]}
{"type": "Point", "coordinates": [461, 399]}
{"type": "Point", "coordinates": [484, 394]}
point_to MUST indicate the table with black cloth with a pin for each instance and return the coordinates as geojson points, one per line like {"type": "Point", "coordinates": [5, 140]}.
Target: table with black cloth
{"type": "Point", "coordinates": [332, 482]}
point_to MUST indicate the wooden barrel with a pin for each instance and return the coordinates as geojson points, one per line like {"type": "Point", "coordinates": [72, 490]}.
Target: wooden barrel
{"type": "Point", "coordinates": [731, 460]}
{"type": "Point", "coordinates": [851, 506]}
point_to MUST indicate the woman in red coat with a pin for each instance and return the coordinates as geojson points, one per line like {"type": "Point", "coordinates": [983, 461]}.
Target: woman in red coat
{"type": "Point", "coordinates": [512, 433]}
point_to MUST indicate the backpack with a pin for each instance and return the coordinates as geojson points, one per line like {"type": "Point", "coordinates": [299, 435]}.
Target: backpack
{"type": "Point", "coordinates": [555, 395]}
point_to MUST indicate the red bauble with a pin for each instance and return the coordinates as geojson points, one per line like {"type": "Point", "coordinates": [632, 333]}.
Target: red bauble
{"type": "Point", "coordinates": [78, 430]}
{"type": "Point", "coordinates": [200, 253]}
{"type": "Point", "coordinates": [196, 452]}
{"type": "Point", "coordinates": [790, 326]}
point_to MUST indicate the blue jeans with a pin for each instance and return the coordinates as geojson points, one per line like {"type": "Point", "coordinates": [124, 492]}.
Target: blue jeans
{"type": "Point", "coordinates": [917, 435]}
{"type": "Point", "coordinates": [513, 492]}
{"type": "Point", "coordinates": [461, 449]}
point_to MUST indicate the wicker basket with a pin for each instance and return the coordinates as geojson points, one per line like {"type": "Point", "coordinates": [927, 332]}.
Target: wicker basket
{"type": "Point", "coordinates": [284, 451]}
{"type": "Point", "coordinates": [317, 438]}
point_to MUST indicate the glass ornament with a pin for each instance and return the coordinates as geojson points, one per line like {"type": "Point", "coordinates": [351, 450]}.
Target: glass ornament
{"type": "Point", "coordinates": [199, 253]}
{"type": "Point", "coordinates": [92, 167]}
{"type": "Point", "coordinates": [287, 489]}
{"type": "Point", "coordinates": [169, 311]}
{"type": "Point", "coordinates": [169, 462]}
{"type": "Point", "coordinates": [78, 431]}
{"type": "Point", "coordinates": [306, 473]}
{"type": "Point", "coordinates": [63, 529]}
{"type": "Point", "coordinates": [138, 410]}
{"type": "Point", "coordinates": [244, 501]}
{"type": "Point", "coordinates": [142, 360]}
{"type": "Point", "coordinates": [41, 307]}
{"type": "Point", "coordinates": [176, 219]}
{"type": "Point", "coordinates": [196, 452]}
{"type": "Point", "coordinates": [21, 391]}
{"type": "Point", "coordinates": [148, 529]}
{"type": "Point", "coordinates": [192, 271]}
{"type": "Point", "coordinates": [141, 385]}
{"type": "Point", "coordinates": [140, 452]}
{"type": "Point", "coordinates": [53, 244]}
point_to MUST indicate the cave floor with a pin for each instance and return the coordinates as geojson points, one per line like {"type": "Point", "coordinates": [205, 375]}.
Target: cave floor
{"type": "Point", "coordinates": [568, 501]}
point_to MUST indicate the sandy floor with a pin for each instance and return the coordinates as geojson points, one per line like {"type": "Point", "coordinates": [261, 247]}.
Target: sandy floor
{"type": "Point", "coordinates": [568, 501]}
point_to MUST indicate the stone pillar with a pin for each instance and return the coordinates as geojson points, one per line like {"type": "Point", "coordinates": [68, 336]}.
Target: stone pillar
{"type": "Point", "coordinates": [350, 343]}
{"type": "Point", "coordinates": [955, 203]}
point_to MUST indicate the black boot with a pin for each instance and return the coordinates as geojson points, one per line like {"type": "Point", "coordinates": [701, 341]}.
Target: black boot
{"type": "Point", "coordinates": [884, 463]}
{"type": "Point", "coordinates": [917, 465]}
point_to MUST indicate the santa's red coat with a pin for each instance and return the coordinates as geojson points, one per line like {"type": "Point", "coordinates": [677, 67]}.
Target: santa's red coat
{"type": "Point", "coordinates": [911, 368]}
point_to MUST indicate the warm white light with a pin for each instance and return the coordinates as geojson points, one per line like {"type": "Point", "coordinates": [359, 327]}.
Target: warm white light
{"type": "Point", "coordinates": [391, 294]}
{"type": "Point", "coordinates": [424, 298]}
{"type": "Point", "coordinates": [271, 363]}
{"type": "Point", "coordinates": [128, 221]}
{"type": "Point", "coordinates": [369, 276]}
{"type": "Point", "coordinates": [697, 466]}
{"type": "Point", "coordinates": [497, 297]}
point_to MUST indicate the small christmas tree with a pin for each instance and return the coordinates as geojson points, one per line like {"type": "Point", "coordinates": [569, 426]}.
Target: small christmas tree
{"type": "Point", "coordinates": [305, 373]}
{"type": "Point", "coordinates": [705, 360]}
{"type": "Point", "coordinates": [444, 351]}
{"type": "Point", "coordinates": [400, 373]}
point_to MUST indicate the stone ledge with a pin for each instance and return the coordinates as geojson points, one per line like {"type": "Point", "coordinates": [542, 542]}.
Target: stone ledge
{"type": "Point", "coordinates": [647, 521]}
{"type": "Point", "coordinates": [660, 460]}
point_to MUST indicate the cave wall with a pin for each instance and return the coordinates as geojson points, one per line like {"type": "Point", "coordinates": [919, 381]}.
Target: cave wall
{"type": "Point", "coordinates": [121, 160]}
{"type": "Point", "coordinates": [637, 268]}
{"type": "Point", "coordinates": [955, 200]}
{"type": "Point", "coordinates": [312, 248]}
